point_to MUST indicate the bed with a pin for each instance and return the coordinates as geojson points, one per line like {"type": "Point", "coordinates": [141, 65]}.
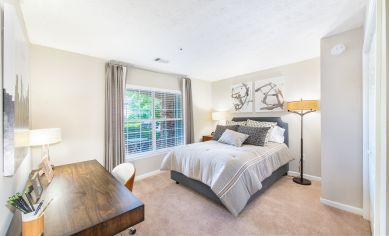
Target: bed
{"type": "Point", "coordinates": [229, 175]}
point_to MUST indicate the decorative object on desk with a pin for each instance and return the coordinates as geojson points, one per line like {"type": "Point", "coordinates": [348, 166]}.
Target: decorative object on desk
{"type": "Point", "coordinates": [43, 138]}
{"type": "Point", "coordinates": [29, 197]}
{"type": "Point", "coordinates": [46, 168]}
{"type": "Point", "coordinates": [242, 97]}
{"type": "Point", "coordinates": [36, 189]}
{"type": "Point", "coordinates": [269, 95]}
{"type": "Point", "coordinates": [302, 108]}
{"type": "Point", "coordinates": [33, 225]}
{"type": "Point", "coordinates": [38, 207]}
{"type": "Point", "coordinates": [33, 222]}
{"type": "Point", "coordinates": [20, 203]}
{"type": "Point", "coordinates": [15, 90]}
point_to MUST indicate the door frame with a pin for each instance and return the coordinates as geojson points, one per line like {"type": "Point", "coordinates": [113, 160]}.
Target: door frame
{"type": "Point", "coordinates": [376, 24]}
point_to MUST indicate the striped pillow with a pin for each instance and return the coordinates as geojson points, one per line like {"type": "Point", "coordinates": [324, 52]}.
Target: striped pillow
{"type": "Point", "coordinates": [271, 125]}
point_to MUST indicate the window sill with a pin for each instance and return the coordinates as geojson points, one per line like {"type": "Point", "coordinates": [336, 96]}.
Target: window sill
{"type": "Point", "coordinates": [148, 154]}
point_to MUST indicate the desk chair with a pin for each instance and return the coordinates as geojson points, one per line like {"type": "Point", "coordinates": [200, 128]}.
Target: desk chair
{"type": "Point", "coordinates": [125, 174]}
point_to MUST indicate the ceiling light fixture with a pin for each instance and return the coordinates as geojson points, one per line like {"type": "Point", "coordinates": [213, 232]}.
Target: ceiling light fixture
{"type": "Point", "coordinates": [160, 60]}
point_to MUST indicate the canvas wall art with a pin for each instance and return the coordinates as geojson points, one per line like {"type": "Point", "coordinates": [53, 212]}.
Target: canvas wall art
{"type": "Point", "coordinates": [242, 97]}
{"type": "Point", "coordinates": [15, 92]}
{"type": "Point", "coordinates": [269, 95]}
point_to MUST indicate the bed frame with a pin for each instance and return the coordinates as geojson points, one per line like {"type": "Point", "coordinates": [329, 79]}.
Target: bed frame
{"type": "Point", "coordinates": [206, 191]}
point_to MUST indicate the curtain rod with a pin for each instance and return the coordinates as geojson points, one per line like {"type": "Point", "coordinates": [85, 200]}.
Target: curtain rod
{"type": "Point", "coordinates": [119, 63]}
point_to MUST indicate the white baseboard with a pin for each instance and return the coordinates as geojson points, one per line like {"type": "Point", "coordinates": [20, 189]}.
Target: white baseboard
{"type": "Point", "coordinates": [310, 177]}
{"type": "Point", "coordinates": [341, 206]}
{"type": "Point", "coordinates": [152, 173]}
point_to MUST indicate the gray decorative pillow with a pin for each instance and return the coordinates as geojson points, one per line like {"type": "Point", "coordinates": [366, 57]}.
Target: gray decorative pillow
{"type": "Point", "coordinates": [257, 135]}
{"type": "Point", "coordinates": [231, 122]}
{"type": "Point", "coordinates": [254, 123]}
{"type": "Point", "coordinates": [233, 138]}
{"type": "Point", "coordinates": [221, 128]}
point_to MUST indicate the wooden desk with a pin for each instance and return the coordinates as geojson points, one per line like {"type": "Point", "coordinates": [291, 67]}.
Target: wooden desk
{"type": "Point", "coordinates": [87, 200]}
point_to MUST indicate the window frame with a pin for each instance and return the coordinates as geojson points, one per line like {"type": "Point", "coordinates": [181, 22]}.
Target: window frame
{"type": "Point", "coordinates": [153, 122]}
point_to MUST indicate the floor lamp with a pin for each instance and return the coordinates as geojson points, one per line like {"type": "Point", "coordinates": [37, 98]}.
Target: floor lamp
{"type": "Point", "coordinates": [302, 108]}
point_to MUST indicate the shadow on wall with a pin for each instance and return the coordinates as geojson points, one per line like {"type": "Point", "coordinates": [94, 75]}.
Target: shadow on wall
{"type": "Point", "coordinates": [203, 123]}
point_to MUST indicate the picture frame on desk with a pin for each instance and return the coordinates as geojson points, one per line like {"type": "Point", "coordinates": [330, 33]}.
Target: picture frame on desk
{"type": "Point", "coordinates": [46, 168]}
{"type": "Point", "coordinates": [35, 189]}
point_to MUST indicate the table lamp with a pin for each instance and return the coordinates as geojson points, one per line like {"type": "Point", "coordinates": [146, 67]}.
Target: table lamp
{"type": "Point", "coordinates": [302, 108]}
{"type": "Point", "coordinates": [45, 137]}
{"type": "Point", "coordinates": [219, 116]}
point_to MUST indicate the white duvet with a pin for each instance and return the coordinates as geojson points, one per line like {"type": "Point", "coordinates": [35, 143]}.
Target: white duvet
{"type": "Point", "coordinates": [233, 173]}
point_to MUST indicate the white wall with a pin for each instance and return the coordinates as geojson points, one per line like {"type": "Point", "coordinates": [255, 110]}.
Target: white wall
{"type": "Point", "coordinates": [68, 92]}
{"type": "Point", "coordinates": [341, 105]}
{"type": "Point", "coordinates": [302, 80]}
{"type": "Point", "coordinates": [202, 108]}
{"type": "Point", "coordinates": [146, 78]}
{"type": "Point", "coordinates": [15, 183]}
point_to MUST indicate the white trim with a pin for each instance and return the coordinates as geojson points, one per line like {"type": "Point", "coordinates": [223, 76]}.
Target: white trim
{"type": "Point", "coordinates": [310, 177]}
{"type": "Point", "coordinates": [365, 139]}
{"type": "Point", "coordinates": [341, 206]}
{"type": "Point", "coordinates": [142, 155]}
{"type": "Point", "coordinates": [370, 26]}
{"type": "Point", "coordinates": [183, 88]}
{"type": "Point", "coordinates": [153, 89]}
{"type": "Point", "coordinates": [148, 174]}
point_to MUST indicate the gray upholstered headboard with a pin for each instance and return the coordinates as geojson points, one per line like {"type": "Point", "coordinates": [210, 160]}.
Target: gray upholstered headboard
{"type": "Point", "coordinates": [280, 123]}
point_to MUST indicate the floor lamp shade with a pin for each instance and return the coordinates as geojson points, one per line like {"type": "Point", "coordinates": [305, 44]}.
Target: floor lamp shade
{"type": "Point", "coordinates": [304, 105]}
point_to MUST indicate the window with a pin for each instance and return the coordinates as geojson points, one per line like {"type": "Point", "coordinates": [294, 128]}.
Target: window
{"type": "Point", "coordinates": [152, 120]}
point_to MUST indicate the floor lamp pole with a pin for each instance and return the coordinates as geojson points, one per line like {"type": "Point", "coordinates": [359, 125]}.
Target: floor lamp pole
{"type": "Point", "coordinates": [301, 180]}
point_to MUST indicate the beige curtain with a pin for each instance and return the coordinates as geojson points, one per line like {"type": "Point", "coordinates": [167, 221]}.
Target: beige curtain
{"type": "Point", "coordinates": [115, 85]}
{"type": "Point", "coordinates": [188, 110]}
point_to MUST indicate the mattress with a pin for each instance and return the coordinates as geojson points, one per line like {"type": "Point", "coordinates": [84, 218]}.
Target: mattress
{"type": "Point", "coordinates": [233, 173]}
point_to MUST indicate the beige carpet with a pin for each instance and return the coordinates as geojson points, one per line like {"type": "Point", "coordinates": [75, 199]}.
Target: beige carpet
{"type": "Point", "coordinates": [286, 208]}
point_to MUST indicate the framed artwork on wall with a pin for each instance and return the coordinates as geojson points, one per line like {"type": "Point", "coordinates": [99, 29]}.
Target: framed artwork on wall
{"type": "Point", "coordinates": [269, 95]}
{"type": "Point", "coordinates": [242, 97]}
{"type": "Point", "coordinates": [16, 118]}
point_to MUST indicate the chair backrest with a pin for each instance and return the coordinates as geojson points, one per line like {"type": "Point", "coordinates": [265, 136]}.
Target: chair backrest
{"type": "Point", "coordinates": [125, 174]}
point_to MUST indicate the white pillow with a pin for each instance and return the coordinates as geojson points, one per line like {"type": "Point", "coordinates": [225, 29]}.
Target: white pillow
{"type": "Point", "coordinates": [277, 135]}
{"type": "Point", "coordinates": [233, 138]}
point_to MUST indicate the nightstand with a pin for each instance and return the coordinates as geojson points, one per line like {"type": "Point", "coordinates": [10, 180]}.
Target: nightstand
{"type": "Point", "coordinates": [207, 137]}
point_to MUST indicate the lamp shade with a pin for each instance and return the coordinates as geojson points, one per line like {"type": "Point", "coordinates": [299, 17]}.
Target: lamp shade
{"type": "Point", "coordinates": [219, 115]}
{"type": "Point", "coordinates": [304, 105]}
{"type": "Point", "coordinates": [45, 136]}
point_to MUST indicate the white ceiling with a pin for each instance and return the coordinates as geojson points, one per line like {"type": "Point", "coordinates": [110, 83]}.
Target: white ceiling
{"type": "Point", "coordinates": [219, 38]}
